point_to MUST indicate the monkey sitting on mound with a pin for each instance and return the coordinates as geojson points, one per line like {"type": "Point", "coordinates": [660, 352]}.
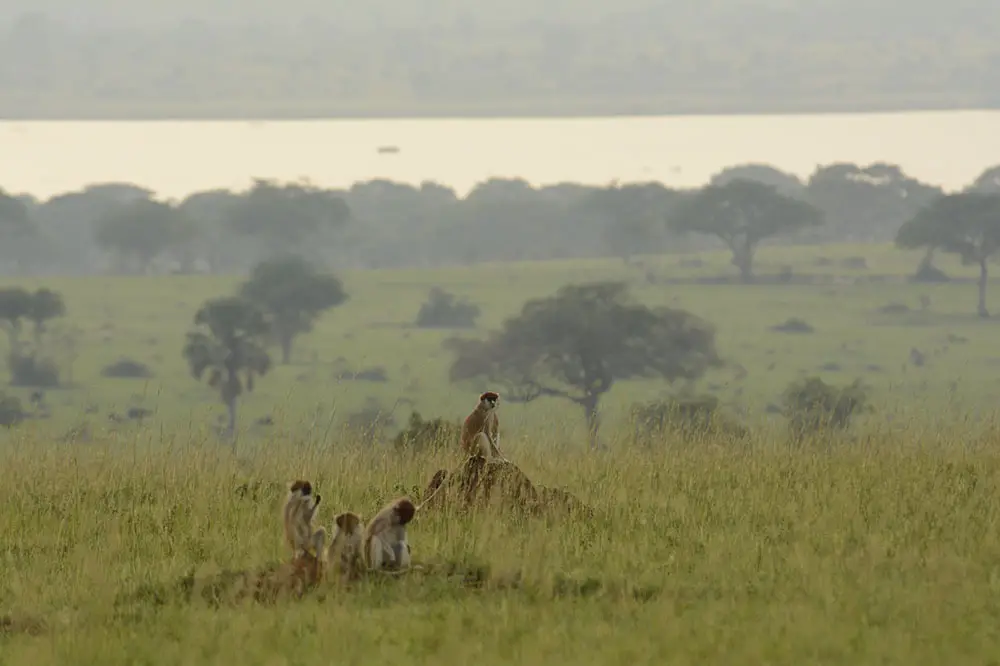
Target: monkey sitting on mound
{"type": "Point", "coordinates": [481, 429]}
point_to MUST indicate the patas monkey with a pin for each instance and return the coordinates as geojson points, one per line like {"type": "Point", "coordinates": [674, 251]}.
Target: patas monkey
{"type": "Point", "coordinates": [481, 430]}
{"type": "Point", "coordinates": [298, 514]}
{"type": "Point", "coordinates": [345, 555]}
{"type": "Point", "coordinates": [384, 544]}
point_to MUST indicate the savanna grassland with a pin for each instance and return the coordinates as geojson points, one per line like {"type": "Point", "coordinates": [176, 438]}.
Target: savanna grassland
{"type": "Point", "coordinates": [878, 547]}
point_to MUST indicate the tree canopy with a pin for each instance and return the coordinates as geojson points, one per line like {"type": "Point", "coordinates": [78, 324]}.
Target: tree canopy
{"type": "Point", "coordinates": [293, 293]}
{"type": "Point", "coordinates": [141, 230]}
{"type": "Point", "coordinates": [283, 218]}
{"type": "Point", "coordinates": [866, 204]}
{"type": "Point", "coordinates": [576, 344]}
{"type": "Point", "coordinates": [446, 58]}
{"type": "Point", "coordinates": [966, 224]}
{"type": "Point", "coordinates": [228, 348]}
{"type": "Point", "coordinates": [398, 225]}
{"type": "Point", "coordinates": [742, 213]}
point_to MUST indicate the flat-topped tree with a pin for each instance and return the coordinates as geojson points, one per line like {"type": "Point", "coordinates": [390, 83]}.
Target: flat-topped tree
{"type": "Point", "coordinates": [633, 216]}
{"type": "Point", "coordinates": [139, 231]}
{"type": "Point", "coordinates": [576, 344]}
{"type": "Point", "coordinates": [16, 228]}
{"type": "Point", "coordinates": [742, 213]}
{"type": "Point", "coordinates": [966, 224]}
{"type": "Point", "coordinates": [293, 293]}
{"type": "Point", "coordinates": [15, 305]}
{"type": "Point", "coordinates": [866, 203]}
{"type": "Point", "coordinates": [988, 181]}
{"type": "Point", "coordinates": [286, 218]}
{"type": "Point", "coordinates": [229, 348]}
{"type": "Point", "coordinates": [18, 304]}
{"type": "Point", "coordinates": [45, 305]}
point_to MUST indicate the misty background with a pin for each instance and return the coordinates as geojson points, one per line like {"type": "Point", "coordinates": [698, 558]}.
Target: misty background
{"type": "Point", "coordinates": [306, 58]}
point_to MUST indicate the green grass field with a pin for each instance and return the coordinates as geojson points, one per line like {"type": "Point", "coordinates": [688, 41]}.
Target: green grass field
{"type": "Point", "coordinates": [881, 549]}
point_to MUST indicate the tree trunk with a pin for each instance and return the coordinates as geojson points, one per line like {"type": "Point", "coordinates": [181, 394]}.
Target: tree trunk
{"type": "Point", "coordinates": [589, 404]}
{"type": "Point", "coordinates": [231, 426]}
{"type": "Point", "coordinates": [983, 277]}
{"type": "Point", "coordinates": [928, 260]}
{"type": "Point", "coordinates": [13, 340]}
{"type": "Point", "coordinates": [285, 340]}
{"type": "Point", "coordinates": [743, 260]}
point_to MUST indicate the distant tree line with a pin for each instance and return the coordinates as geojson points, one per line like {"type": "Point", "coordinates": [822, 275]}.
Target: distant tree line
{"type": "Point", "coordinates": [321, 59]}
{"type": "Point", "coordinates": [123, 228]}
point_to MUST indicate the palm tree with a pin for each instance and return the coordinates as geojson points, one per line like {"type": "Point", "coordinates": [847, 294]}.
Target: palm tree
{"type": "Point", "coordinates": [230, 348]}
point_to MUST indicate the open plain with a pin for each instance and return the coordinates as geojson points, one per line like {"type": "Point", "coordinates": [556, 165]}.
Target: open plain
{"type": "Point", "coordinates": [877, 545]}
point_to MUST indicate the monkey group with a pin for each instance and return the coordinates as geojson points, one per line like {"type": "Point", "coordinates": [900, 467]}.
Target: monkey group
{"type": "Point", "coordinates": [354, 548]}
{"type": "Point", "coordinates": [381, 545]}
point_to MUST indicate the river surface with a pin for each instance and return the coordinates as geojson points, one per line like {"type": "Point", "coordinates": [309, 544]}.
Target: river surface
{"type": "Point", "coordinates": [175, 158]}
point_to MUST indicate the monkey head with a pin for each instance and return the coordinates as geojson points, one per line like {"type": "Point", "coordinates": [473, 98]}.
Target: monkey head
{"type": "Point", "coordinates": [304, 489]}
{"type": "Point", "coordinates": [488, 400]}
{"type": "Point", "coordinates": [348, 523]}
{"type": "Point", "coordinates": [405, 510]}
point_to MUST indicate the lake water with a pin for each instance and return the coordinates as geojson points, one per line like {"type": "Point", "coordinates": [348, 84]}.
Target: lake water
{"type": "Point", "coordinates": [176, 158]}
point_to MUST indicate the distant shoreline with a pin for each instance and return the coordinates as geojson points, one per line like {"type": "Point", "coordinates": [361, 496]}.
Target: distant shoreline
{"type": "Point", "coordinates": [14, 110]}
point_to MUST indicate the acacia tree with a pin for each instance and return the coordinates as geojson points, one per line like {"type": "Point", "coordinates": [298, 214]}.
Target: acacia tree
{"type": "Point", "coordinates": [632, 215]}
{"type": "Point", "coordinates": [294, 294]}
{"type": "Point", "coordinates": [866, 204]}
{"type": "Point", "coordinates": [229, 348]}
{"type": "Point", "coordinates": [18, 304]}
{"type": "Point", "coordinates": [17, 229]}
{"type": "Point", "coordinates": [45, 305]}
{"type": "Point", "coordinates": [286, 218]}
{"type": "Point", "coordinates": [988, 181]}
{"type": "Point", "coordinates": [742, 213]}
{"type": "Point", "coordinates": [577, 343]}
{"type": "Point", "coordinates": [966, 224]}
{"type": "Point", "coordinates": [139, 231]}
{"type": "Point", "coordinates": [15, 306]}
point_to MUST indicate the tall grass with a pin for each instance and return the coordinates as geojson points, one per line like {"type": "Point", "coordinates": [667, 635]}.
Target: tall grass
{"type": "Point", "coordinates": [879, 550]}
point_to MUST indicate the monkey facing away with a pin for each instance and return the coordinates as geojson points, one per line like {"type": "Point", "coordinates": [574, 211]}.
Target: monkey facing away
{"type": "Point", "coordinates": [345, 555]}
{"type": "Point", "coordinates": [481, 429]}
{"type": "Point", "coordinates": [300, 506]}
{"type": "Point", "coordinates": [384, 544]}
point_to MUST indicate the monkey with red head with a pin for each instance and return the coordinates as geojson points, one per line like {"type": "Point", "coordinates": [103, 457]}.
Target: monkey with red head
{"type": "Point", "coordinates": [481, 429]}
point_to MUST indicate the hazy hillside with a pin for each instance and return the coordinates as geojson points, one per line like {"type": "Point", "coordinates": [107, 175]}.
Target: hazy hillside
{"type": "Point", "coordinates": [306, 57]}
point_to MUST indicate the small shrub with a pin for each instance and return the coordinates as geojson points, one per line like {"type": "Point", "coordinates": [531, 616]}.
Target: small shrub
{"type": "Point", "coordinates": [858, 263]}
{"type": "Point", "coordinates": [420, 435]}
{"type": "Point", "coordinates": [811, 405]}
{"type": "Point", "coordinates": [443, 310]}
{"type": "Point", "coordinates": [375, 374]}
{"type": "Point", "coordinates": [370, 422]}
{"type": "Point", "coordinates": [126, 368]}
{"type": "Point", "coordinates": [32, 370]}
{"type": "Point", "coordinates": [686, 418]}
{"type": "Point", "coordinates": [894, 308]}
{"type": "Point", "coordinates": [793, 325]}
{"type": "Point", "coordinates": [929, 273]}
{"type": "Point", "coordinates": [11, 412]}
